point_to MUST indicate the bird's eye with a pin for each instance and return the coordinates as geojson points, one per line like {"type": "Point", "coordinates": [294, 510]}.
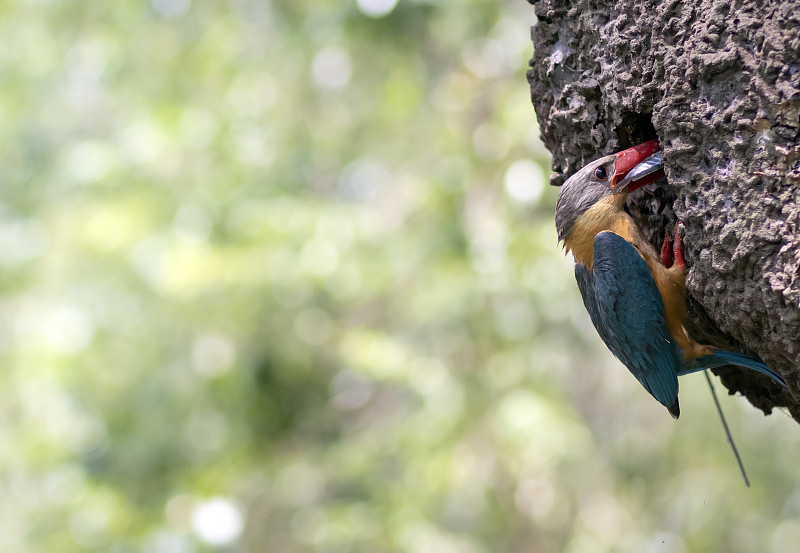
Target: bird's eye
{"type": "Point", "coordinates": [600, 173]}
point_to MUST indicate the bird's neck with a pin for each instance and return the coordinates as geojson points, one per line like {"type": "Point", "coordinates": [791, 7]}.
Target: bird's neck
{"type": "Point", "coordinates": [607, 214]}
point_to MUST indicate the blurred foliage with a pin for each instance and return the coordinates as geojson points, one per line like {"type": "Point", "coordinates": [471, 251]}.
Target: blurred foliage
{"type": "Point", "coordinates": [282, 276]}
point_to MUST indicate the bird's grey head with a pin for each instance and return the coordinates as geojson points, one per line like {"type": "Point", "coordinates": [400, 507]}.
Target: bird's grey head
{"type": "Point", "coordinates": [612, 175]}
{"type": "Point", "coordinates": [581, 191]}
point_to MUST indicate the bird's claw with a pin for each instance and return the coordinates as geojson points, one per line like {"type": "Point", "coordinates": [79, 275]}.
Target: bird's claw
{"type": "Point", "coordinates": [677, 248]}
{"type": "Point", "coordinates": [672, 250]}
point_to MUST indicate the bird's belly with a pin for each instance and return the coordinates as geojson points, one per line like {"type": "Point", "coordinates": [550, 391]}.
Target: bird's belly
{"type": "Point", "coordinates": [671, 286]}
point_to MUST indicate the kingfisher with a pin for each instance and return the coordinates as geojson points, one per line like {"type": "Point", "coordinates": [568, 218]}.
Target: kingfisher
{"type": "Point", "coordinates": [635, 295]}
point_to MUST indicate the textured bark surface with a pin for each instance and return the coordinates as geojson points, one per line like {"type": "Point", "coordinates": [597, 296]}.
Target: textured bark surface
{"type": "Point", "coordinates": [718, 82]}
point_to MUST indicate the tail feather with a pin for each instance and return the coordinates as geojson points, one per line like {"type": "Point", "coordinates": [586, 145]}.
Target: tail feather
{"type": "Point", "coordinates": [721, 358]}
{"type": "Point", "coordinates": [675, 409]}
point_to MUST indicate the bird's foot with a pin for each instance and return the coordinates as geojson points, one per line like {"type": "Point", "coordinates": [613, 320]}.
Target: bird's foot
{"type": "Point", "coordinates": [677, 248]}
{"type": "Point", "coordinates": [672, 250]}
{"type": "Point", "coordinates": [666, 251]}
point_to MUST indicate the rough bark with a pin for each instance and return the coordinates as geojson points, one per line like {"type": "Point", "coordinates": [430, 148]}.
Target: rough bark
{"type": "Point", "coordinates": [718, 82]}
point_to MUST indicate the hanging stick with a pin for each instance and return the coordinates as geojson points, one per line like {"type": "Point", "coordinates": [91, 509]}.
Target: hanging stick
{"type": "Point", "coordinates": [727, 430]}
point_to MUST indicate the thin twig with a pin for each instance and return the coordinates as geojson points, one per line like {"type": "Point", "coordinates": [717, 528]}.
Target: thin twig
{"type": "Point", "coordinates": [727, 430]}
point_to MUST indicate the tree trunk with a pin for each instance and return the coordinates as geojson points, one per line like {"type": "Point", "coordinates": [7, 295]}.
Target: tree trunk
{"type": "Point", "coordinates": [718, 82]}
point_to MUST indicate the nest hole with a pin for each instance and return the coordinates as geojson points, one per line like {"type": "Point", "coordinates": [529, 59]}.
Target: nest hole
{"type": "Point", "coordinates": [635, 128]}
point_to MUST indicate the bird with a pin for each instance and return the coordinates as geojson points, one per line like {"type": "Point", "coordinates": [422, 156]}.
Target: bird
{"type": "Point", "coordinates": [635, 295]}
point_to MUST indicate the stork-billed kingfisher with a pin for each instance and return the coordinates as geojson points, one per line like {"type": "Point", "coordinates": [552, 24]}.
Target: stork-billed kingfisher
{"type": "Point", "coordinates": [635, 295]}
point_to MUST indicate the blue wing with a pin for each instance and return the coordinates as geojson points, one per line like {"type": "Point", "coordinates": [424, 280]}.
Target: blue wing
{"type": "Point", "coordinates": [626, 309]}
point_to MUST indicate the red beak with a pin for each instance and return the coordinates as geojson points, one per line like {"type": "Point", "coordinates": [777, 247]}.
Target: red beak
{"type": "Point", "coordinates": [630, 158]}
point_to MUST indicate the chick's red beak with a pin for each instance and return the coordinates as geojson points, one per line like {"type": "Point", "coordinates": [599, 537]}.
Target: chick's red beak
{"type": "Point", "coordinates": [629, 159]}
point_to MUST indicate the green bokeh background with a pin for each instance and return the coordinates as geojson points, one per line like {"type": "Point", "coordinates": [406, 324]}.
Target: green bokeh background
{"type": "Point", "coordinates": [282, 277]}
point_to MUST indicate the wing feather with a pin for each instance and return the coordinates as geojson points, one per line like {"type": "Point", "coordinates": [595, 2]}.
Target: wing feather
{"type": "Point", "coordinates": [627, 310]}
